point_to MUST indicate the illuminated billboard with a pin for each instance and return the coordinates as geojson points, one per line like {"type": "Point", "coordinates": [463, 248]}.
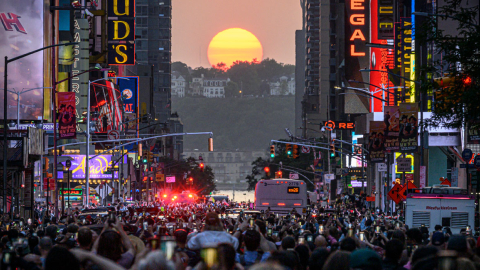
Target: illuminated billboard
{"type": "Point", "coordinates": [121, 32]}
{"type": "Point", "coordinates": [22, 32]}
{"type": "Point", "coordinates": [382, 32]}
{"type": "Point", "coordinates": [97, 167]}
{"type": "Point", "coordinates": [105, 102]}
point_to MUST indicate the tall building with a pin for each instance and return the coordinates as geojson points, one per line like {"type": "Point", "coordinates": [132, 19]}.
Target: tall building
{"type": "Point", "coordinates": [324, 63]}
{"type": "Point", "coordinates": [299, 80]}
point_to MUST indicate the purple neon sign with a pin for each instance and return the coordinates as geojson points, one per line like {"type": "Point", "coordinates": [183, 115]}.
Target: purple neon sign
{"type": "Point", "coordinates": [98, 167]}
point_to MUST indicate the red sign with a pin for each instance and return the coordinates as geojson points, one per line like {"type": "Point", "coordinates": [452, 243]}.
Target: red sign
{"type": "Point", "coordinates": [403, 191]}
{"type": "Point", "coordinates": [370, 198]}
{"type": "Point", "coordinates": [395, 194]}
{"type": "Point", "coordinates": [339, 125]}
{"type": "Point", "coordinates": [67, 125]}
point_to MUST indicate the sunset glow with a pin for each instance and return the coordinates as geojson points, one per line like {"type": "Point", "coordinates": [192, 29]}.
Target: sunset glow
{"type": "Point", "coordinates": [234, 44]}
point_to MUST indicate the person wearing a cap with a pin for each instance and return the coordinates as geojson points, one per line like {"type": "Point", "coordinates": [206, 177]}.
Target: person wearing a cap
{"type": "Point", "coordinates": [365, 259]}
{"type": "Point", "coordinates": [212, 235]}
{"type": "Point", "coordinates": [438, 240]}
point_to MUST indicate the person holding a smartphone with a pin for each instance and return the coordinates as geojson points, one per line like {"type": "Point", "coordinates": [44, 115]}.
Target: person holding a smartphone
{"type": "Point", "coordinates": [253, 241]}
{"type": "Point", "coordinates": [212, 234]}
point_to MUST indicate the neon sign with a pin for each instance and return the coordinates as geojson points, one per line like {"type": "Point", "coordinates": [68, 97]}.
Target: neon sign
{"type": "Point", "coordinates": [356, 19]}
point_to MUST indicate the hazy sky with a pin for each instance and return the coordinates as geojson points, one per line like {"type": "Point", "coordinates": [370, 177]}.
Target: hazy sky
{"type": "Point", "coordinates": [196, 22]}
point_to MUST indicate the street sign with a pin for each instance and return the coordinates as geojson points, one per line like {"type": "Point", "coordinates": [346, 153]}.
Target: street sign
{"type": "Point", "coordinates": [293, 176]}
{"type": "Point", "coordinates": [395, 195]}
{"type": "Point", "coordinates": [403, 191]}
{"type": "Point", "coordinates": [467, 155]}
{"type": "Point", "coordinates": [381, 167]}
{"type": "Point", "coordinates": [404, 165]}
{"type": "Point", "coordinates": [476, 161]}
{"type": "Point", "coordinates": [329, 177]}
{"type": "Point", "coordinates": [305, 149]}
{"type": "Point", "coordinates": [113, 134]}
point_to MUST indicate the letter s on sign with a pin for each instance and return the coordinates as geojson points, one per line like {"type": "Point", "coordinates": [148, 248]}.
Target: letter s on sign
{"type": "Point", "coordinates": [120, 53]}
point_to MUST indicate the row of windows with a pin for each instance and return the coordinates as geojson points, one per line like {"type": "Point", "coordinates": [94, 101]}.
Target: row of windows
{"type": "Point", "coordinates": [213, 83]}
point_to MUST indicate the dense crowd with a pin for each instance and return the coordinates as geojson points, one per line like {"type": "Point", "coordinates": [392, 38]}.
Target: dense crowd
{"type": "Point", "coordinates": [212, 236]}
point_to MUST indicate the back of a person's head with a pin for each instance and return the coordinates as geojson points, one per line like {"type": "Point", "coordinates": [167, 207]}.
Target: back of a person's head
{"type": "Point", "coordinates": [33, 242]}
{"type": "Point", "coordinates": [304, 254]}
{"type": "Point", "coordinates": [399, 235]}
{"type": "Point", "coordinates": [226, 255]}
{"type": "Point", "coordinates": [438, 227]}
{"type": "Point", "coordinates": [110, 245]}
{"type": "Point", "coordinates": [60, 258]}
{"type": "Point", "coordinates": [348, 244]}
{"type": "Point", "coordinates": [288, 242]}
{"type": "Point", "coordinates": [155, 260]}
{"type": "Point", "coordinates": [333, 231]}
{"type": "Point", "coordinates": [365, 259]}
{"type": "Point", "coordinates": [457, 243]}
{"type": "Point", "coordinates": [72, 228]}
{"type": "Point", "coordinates": [85, 237]}
{"type": "Point", "coordinates": [318, 258]}
{"type": "Point", "coordinates": [415, 234]}
{"type": "Point", "coordinates": [423, 253]}
{"type": "Point", "coordinates": [45, 244]}
{"type": "Point", "coordinates": [338, 260]}
{"type": "Point", "coordinates": [13, 234]}
{"type": "Point", "coordinates": [251, 238]}
{"type": "Point", "coordinates": [51, 231]}
{"type": "Point", "coordinates": [267, 266]}
{"type": "Point", "coordinates": [261, 225]}
{"type": "Point", "coordinates": [288, 258]}
{"type": "Point", "coordinates": [181, 236]}
{"type": "Point", "coordinates": [465, 264]}
{"type": "Point", "coordinates": [393, 250]}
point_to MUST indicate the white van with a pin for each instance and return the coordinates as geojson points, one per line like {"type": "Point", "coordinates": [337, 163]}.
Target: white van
{"type": "Point", "coordinates": [281, 195]}
{"type": "Point", "coordinates": [448, 207]}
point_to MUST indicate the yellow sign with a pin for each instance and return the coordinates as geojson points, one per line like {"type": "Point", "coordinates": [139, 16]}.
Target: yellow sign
{"type": "Point", "coordinates": [397, 155]}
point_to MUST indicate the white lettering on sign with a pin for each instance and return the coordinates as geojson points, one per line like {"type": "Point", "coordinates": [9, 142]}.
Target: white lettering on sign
{"type": "Point", "coordinates": [441, 208]}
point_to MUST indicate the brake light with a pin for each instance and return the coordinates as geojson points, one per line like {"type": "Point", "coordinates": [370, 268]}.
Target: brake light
{"type": "Point", "coordinates": [296, 204]}
{"type": "Point", "coordinates": [175, 196]}
{"type": "Point", "coordinates": [164, 195]}
{"type": "Point", "coordinates": [301, 183]}
{"type": "Point", "coordinates": [265, 203]}
{"type": "Point", "coordinates": [190, 195]}
{"type": "Point", "coordinates": [281, 204]}
{"type": "Point", "coordinates": [278, 182]}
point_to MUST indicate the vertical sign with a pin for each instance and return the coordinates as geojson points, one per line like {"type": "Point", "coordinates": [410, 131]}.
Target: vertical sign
{"type": "Point", "coordinates": [382, 28]}
{"type": "Point", "coordinates": [357, 35]}
{"type": "Point", "coordinates": [66, 115]}
{"type": "Point", "coordinates": [408, 135]}
{"type": "Point", "coordinates": [406, 51]}
{"type": "Point", "coordinates": [80, 64]}
{"type": "Point", "coordinates": [454, 177]}
{"type": "Point", "coordinates": [121, 32]}
{"type": "Point", "coordinates": [129, 91]}
{"type": "Point", "coordinates": [392, 128]}
{"type": "Point", "coordinates": [423, 176]}
{"type": "Point", "coordinates": [376, 141]}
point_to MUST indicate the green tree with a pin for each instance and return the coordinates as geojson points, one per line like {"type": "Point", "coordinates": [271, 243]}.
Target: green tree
{"type": "Point", "coordinates": [244, 75]}
{"type": "Point", "coordinates": [460, 59]}
{"type": "Point", "coordinates": [231, 89]}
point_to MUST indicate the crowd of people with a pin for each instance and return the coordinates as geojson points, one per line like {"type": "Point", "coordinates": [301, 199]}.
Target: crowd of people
{"type": "Point", "coordinates": [213, 235]}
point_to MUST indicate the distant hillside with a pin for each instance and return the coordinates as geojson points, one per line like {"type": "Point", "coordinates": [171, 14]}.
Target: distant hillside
{"type": "Point", "coordinates": [237, 123]}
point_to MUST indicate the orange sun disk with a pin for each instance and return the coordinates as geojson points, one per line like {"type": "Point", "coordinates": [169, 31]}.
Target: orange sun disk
{"type": "Point", "coordinates": [234, 44]}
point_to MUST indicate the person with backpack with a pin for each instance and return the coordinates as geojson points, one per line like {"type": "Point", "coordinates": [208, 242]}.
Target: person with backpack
{"type": "Point", "coordinates": [256, 248]}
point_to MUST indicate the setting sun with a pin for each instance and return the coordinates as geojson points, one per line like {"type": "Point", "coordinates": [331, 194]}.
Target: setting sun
{"type": "Point", "coordinates": [234, 44]}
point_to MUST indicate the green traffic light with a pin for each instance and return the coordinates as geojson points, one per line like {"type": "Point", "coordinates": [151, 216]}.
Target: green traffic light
{"type": "Point", "coordinates": [332, 154]}
{"type": "Point", "coordinates": [289, 153]}
{"type": "Point", "coordinates": [272, 155]}
{"type": "Point", "coordinates": [145, 161]}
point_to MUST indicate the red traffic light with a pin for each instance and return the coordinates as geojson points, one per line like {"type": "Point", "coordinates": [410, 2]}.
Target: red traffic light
{"type": "Point", "coordinates": [467, 80]}
{"type": "Point", "coordinates": [266, 169]}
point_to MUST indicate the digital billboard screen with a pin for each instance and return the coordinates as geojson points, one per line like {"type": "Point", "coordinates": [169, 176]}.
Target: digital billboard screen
{"type": "Point", "coordinates": [22, 32]}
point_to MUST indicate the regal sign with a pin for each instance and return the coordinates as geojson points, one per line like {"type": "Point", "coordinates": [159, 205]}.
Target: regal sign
{"type": "Point", "coordinates": [121, 32]}
{"type": "Point", "coordinates": [339, 125]}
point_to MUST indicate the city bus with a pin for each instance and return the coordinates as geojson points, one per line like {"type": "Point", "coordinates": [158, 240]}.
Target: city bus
{"type": "Point", "coordinates": [281, 195]}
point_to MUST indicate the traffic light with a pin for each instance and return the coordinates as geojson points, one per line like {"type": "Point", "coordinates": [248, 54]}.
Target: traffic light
{"type": "Point", "coordinates": [278, 174]}
{"type": "Point", "coordinates": [201, 166]}
{"type": "Point", "coordinates": [295, 151]}
{"type": "Point", "coordinates": [144, 160]}
{"type": "Point", "coordinates": [150, 156]}
{"type": "Point", "coordinates": [46, 166]}
{"type": "Point", "coordinates": [267, 171]}
{"type": "Point", "coordinates": [190, 181]}
{"type": "Point", "coordinates": [332, 148]}
{"type": "Point", "coordinates": [288, 150]}
{"type": "Point", "coordinates": [272, 151]}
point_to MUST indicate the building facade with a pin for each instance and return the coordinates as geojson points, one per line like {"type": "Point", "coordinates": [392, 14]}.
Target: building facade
{"type": "Point", "coordinates": [214, 88]}
{"type": "Point", "coordinates": [178, 85]}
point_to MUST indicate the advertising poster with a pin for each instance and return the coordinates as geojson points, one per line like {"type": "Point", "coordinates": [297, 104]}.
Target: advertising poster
{"type": "Point", "coordinates": [376, 141]}
{"type": "Point", "coordinates": [473, 136]}
{"type": "Point", "coordinates": [392, 128]}
{"type": "Point", "coordinates": [97, 169]}
{"type": "Point", "coordinates": [105, 100]}
{"type": "Point", "coordinates": [22, 33]}
{"type": "Point", "coordinates": [406, 53]}
{"type": "Point", "coordinates": [408, 136]}
{"type": "Point", "coordinates": [66, 115]}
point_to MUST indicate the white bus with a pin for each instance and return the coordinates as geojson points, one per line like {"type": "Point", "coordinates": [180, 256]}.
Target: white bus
{"type": "Point", "coordinates": [281, 195]}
